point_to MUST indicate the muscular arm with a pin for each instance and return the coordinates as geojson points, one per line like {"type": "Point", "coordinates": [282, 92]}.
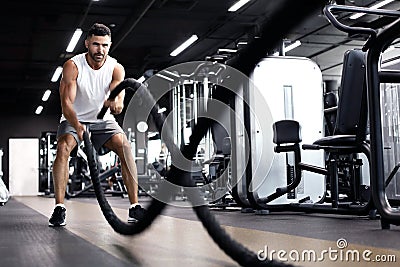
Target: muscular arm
{"type": "Point", "coordinates": [117, 104]}
{"type": "Point", "coordinates": [67, 95]}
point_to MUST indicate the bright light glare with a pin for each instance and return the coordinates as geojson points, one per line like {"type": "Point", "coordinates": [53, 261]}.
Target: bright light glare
{"type": "Point", "coordinates": [74, 40]}
{"type": "Point", "coordinates": [379, 5]}
{"type": "Point", "coordinates": [292, 46]}
{"type": "Point", "coordinates": [238, 5]}
{"type": "Point", "coordinates": [46, 95]}
{"type": "Point", "coordinates": [57, 74]}
{"type": "Point", "coordinates": [184, 45]}
{"type": "Point", "coordinates": [39, 110]}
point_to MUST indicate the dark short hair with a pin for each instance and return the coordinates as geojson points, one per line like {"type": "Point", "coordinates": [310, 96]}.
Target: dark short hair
{"type": "Point", "coordinates": [99, 29]}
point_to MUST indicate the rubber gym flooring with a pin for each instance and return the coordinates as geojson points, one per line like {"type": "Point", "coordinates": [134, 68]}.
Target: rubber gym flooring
{"type": "Point", "coordinates": [177, 238]}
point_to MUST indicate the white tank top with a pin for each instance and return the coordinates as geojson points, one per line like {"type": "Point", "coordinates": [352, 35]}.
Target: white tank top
{"type": "Point", "coordinates": [93, 87]}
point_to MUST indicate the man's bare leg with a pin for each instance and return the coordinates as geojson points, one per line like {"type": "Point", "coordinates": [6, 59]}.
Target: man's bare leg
{"type": "Point", "coordinates": [65, 144]}
{"type": "Point", "coordinates": [120, 145]}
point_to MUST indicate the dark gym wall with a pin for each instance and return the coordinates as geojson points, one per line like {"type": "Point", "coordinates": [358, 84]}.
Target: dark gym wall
{"type": "Point", "coordinates": [331, 86]}
{"type": "Point", "coordinates": [23, 127]}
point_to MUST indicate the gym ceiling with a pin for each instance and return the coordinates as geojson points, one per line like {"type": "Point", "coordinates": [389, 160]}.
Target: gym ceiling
{"type": "Point", "coordinates": [35, 34]}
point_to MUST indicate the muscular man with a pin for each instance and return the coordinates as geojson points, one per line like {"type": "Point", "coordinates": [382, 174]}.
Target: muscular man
{"type": "Point", "coordinates": [86, 82]}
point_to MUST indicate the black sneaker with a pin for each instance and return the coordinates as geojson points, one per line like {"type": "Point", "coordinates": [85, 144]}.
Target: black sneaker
{"type": "Point", "coordinates": [58, 217]}
{"type": "Point", "coordinates": [136, 214]}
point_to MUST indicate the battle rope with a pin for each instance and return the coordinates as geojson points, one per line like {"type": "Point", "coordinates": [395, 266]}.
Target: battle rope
{"type": "Point", "coordinates": [231, 247]}
{"type": "Point", "coordinates": [294, 9]}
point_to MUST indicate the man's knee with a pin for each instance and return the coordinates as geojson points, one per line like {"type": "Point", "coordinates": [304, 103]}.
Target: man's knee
{"type": "Point", "coordinates": [119, 144]}
{"type": "Point", "coordinates": [65, 145]}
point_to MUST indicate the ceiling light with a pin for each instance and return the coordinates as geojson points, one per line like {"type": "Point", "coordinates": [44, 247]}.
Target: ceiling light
{"type": "Point", "coordinates": [46, 95]}
{"type": "Point", "coordinates": [184, 45]}
{"type": "Point", "coordinates": [238, 5]}
{"type": "Point", "coordinates": [141, 79]}
{"type": "Point", "coordinates": [217, 57]}
{"type": "Point", "coordinates": [288, 48]}
{"type": "Point", "coordinates": [379, 5]}
{"type": "Point", "coordinates": [74, 40]}
{"type": "Point", "coordinates": [226, 50]}
{"type": "Point", "coordinates": [39, 110]}
{"type": "Point", "coordinates": [56, 74]}
{"type": "Point", "coordinates": [292, 46]}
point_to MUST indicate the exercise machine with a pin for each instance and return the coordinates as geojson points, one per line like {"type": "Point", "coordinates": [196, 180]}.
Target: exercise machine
{"type": "Point", "coordinates": [47, 154]}
{"type": "Point", "coordinates": [190, 87]}
{"type": "Point", "coordinates": [376, 76]}
{"type": "Point", "coordinates": [350, 134]}
{"type": "Point", "coordinates": [278, 91]}
{"type": "Point", "coordinates": [345, 191]}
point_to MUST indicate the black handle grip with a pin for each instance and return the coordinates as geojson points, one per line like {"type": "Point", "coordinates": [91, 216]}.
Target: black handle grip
{"type": "Point", "coordinates": [125, 84]}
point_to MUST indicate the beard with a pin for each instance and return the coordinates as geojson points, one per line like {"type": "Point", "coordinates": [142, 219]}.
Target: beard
{"type": "Point", "coordinates": [98, 57]}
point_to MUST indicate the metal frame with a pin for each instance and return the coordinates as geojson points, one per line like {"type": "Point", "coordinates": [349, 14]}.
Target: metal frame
{"type": "Point", "coordinates": [374, 47]}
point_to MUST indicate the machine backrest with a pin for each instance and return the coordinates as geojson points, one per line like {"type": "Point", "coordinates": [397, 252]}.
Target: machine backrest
{"type": "Point", "coordinates": [352, 112]}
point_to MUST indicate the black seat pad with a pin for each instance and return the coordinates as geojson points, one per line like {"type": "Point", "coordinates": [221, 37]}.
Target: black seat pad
{"type": "Point", "coordinates": [337, 140]}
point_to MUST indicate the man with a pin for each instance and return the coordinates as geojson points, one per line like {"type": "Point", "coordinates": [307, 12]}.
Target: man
{"type": "Point", "coordinates": [86, 81]}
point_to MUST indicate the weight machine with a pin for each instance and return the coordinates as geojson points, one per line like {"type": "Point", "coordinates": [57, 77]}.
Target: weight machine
{"type": "Point", "coordinates": [378, 79]}
{"type": "Point", "coordinates": [344, 191]}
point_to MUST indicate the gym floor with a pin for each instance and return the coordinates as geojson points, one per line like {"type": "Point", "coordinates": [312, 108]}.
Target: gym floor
{"type": "Point", "coordinates": [177, 238]}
